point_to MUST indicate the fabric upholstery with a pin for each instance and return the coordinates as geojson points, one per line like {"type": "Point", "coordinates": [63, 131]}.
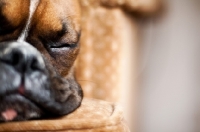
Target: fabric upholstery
{"type": "Point", "coordinates": [105, 33]}
{"type": "Point", "coordinates": [92, 116]}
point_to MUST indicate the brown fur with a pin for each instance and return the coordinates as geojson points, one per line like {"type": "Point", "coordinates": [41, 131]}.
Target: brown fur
{"type": "Point", "coordinates": [13, 11]}
{"type": "Point", "coordinates": [45, 23]}
{"type": "Point", "coordinates": [14, 16]}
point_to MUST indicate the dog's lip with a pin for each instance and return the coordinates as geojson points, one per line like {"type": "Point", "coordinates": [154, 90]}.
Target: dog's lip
{"type": "Point", "coordinates": [21, 89]}
{"type": "Point", "coordinates": [15, 105]}
{"type": "Point", "coordinates": [22, 99]}
{"type": "Point", "coordinates": [20, 94]}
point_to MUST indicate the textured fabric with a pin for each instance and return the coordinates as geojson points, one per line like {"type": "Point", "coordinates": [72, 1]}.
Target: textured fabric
{"type": "Point", "coordinates": [143, 7]}
{"type": "Point", "coordinates": [98, 67]}
{"type": "Point", "coordinates": [97, 70]}
{"type": "Point", "coordinates": [92, 116]}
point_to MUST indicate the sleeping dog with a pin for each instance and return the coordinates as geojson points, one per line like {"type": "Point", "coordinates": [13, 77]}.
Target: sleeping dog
{"type": "Point", "coordinates": [39, 42]}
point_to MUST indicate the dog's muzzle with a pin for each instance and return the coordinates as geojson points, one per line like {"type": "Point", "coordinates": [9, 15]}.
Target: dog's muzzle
{"type": "Point", "coordinates": [28, 89]}
{"type": "Point", "coordinates": [21, 56]}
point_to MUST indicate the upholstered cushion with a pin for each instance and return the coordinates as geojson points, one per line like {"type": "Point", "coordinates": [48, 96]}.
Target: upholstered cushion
{"type": "Point", "coordinates": [92, 116]}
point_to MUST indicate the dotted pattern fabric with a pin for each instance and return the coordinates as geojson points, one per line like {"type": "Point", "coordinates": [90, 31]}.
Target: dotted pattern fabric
{"type": "Point", "coordinates": [139, 6]}
{"type": "Point", "coordinates": [97, 65]}
{"type": "Point", "coordinates": [92, 116]}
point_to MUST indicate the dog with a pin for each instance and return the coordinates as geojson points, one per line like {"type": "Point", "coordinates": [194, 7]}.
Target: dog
{"type": "Point", "coordinates": [39, 42]}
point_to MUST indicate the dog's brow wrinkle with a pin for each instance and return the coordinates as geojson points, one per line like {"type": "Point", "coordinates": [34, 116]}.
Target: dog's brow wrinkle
{"type": "Point", "coordinates": [32, 8]}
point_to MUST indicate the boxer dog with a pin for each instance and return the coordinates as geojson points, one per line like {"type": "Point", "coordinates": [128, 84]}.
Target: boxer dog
{"type": "Point", "coordinates": [39, 42]}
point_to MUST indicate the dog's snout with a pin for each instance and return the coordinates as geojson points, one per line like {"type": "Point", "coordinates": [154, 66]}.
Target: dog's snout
{"type": "Point", "coordinates": [22, 61]}
{"type": "Point", "coordinates": [22, 57]}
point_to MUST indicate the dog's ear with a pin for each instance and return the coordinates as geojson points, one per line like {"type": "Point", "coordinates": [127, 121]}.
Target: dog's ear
{"type": "Point", "coordinates": [138, 6]}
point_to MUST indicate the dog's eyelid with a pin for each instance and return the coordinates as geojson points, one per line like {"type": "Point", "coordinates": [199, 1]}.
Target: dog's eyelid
{"type": "Point", "coordinates": [63, 45]}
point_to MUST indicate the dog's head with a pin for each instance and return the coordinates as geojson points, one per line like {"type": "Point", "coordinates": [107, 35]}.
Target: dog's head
{"type": "Point", "coordinates": [39, 42]}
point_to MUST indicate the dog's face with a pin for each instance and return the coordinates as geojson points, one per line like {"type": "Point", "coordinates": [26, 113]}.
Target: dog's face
{"type": "Point", "coordinates": [39, 42]}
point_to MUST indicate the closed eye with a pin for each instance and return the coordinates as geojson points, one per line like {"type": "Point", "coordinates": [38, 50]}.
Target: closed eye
{"type": "Point", "coordinates": [65, 45]}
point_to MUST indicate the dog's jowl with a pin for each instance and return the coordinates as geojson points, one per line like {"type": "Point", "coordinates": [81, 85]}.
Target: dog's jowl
{"type": "Point", "coordinates": [39, 42]}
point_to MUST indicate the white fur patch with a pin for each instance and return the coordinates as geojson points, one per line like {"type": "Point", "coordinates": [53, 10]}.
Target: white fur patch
{"type": "Point", "coordinates": [32, 8]}
{"type": "Point", "coordinates": [22, 38]}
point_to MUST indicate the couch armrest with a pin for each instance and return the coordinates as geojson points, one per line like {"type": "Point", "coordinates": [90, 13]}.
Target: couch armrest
{"type": "Point", "coordinates": [93, 115]}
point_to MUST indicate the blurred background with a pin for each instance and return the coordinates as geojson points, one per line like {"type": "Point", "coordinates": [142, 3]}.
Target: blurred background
{"type": "Point", "coordinates": [147, 62]}
{"type": "Point", "coordinates": [169, 69]}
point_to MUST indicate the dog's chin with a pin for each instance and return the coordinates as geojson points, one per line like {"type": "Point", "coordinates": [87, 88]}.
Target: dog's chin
{"type": "Point", "coordinates": [16, 107]}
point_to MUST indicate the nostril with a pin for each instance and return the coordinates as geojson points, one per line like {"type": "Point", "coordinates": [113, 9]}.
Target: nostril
{"type": "Point", "coordinates": [16, 58]}
{"type": "Point", "coordinates": [21, 56]}
{"type": "Point", "coordinates": [13, 58]}
{"type": "Point", "coordinates": [22, 62]}
{"type": "Point", "coordinates": [34, 65]}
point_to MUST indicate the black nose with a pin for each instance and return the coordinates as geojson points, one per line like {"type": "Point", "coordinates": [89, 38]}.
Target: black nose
{"type": "Point", "coordinates": [21, 56]}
